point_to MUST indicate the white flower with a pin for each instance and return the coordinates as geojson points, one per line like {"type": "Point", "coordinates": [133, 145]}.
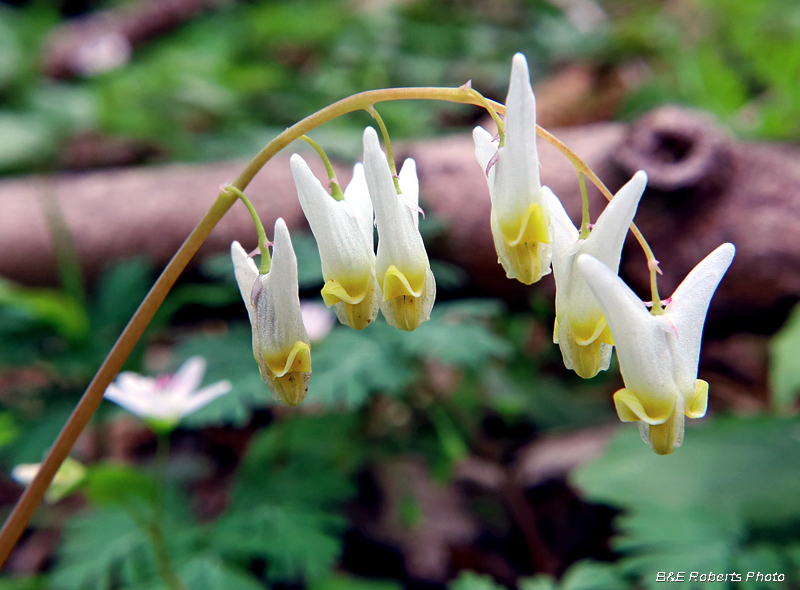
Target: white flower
{"type": "Point", "coordinates": [658, 354]}
{"type": "Point", "coordinates": [403, 270]}
{"type": "Point", "coordinates": [581, 329]}
{"type": "Point", "coordinates": [344, 234]}
{"type": "Point", "coordinates": [280, 342]}
{"type": "Point", "coordinates": [164, 400]}
{"type": "Point", "coordinates": [68, 477]}
{"type": "Point", "coordinates": [520, 218]}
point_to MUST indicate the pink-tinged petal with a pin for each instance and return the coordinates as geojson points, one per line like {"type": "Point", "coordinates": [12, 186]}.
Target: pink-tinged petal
{"type": "Point", "coordinates": [187, 378]}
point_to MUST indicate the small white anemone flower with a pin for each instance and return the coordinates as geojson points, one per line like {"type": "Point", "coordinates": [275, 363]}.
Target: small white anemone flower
{"type": "Point", "coordinates": [344, 234]}
{"type": "Point", "coordinates": [68, 477]}
{"type": "Point", "coordinates": [164, 400]}
{"type": "Point", "coordinates": [658, 354]}
{"type": "Point", "coordinates": [581, 330]}
{"type": "Point", "coordinates": [520, 217]}
{"type": "Point", "coordinates": [403, 271]}
{"type": "Point", "coordinates": [280, 342]}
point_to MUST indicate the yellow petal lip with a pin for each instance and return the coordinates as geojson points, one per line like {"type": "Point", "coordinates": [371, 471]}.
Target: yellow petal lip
{"type": "Point", "coordinates": [601, 331]}
{"type": "Point", "coordinates": [697, 405]}
{"type": "Point", "coordinates": [396, 284]}
{"type": "Point", "coordinates": [632, 408]}
{"type": "Point", "coordinates": [534, 227]}
{"type": "Point", "coordinates": [335, 291]}
{"type": "Point", "coordinates": [298, 359]}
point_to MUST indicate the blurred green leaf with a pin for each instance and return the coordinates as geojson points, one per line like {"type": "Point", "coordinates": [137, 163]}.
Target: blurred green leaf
{"type": "Point", "coordinates": [582, 575]}
{"type": "Point", "coordinates": [53, 308]}
{"type": "Point", "coordinates": [468, 580]}
{"type": "Point", "coordinates": [110, 486]}
{"type": "Point", "coordinates": [784, 368]}
{"type": "Point", "coordinates": [345, 582]}
{"type": "Point", "coordinates": [209, 572]}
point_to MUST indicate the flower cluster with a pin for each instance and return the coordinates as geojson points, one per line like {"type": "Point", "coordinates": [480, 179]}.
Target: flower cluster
{"type": "Point", "coordinates": [658, 350]}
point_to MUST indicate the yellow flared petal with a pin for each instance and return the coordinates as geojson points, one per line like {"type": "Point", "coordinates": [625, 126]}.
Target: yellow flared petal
{"type": "Point", "coordinates": [631, 407]}
{"type": "Point", "coordinates": [696, 406]}
{"type": "Point", "coordinates": [288, 375]}
{"type": "Point", "coordinates": [351, 292]}
{"type": "Point", "coordinates": [665, 437]}
{"type": "Point", "coordinates": [587, 334]}
{"type": "Point", "coordinates": [588, 360]}
{"type": "Point", "coordinates": [523, 239]}
{"type": "Point", "coordinates": [406, 306]}
{"type": "Point", "coordinates": [298, 359]}
{"type": "Point", "coordinates": [396, 284]}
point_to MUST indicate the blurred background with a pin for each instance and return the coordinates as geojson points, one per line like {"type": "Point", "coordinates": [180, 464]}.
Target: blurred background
{"type": "Point", "coordinates": [462, 455]}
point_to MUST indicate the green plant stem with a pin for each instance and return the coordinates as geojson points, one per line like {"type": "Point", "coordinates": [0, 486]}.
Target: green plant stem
{"type": "Point", "coordinates": [156, 528]}
{"type": "Point", "coordinates": [389, 151]}
{"type": "Point", "coordinates": [336, 190]}
{"type": "Point", "coordinates": [585, 220]}
{"type": "Point", "coordinates": [263, 243]}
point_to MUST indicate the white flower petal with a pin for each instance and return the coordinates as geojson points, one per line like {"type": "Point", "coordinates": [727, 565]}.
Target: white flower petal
{"type": "Point", "coordinates": [203, 397]}
{"type": "Point", "coordinates": [644, 355]}
{"type": "Point", "coordinates": [246, 273]}
{"type": "Point", "coordinates": [517, 183]}
{"type": "Point", "coordinates": [688, 308]}
{"type": "Point", "coordinates": [485, 151]}
{"type": "Point", "coordinates": [357, 195]}
{"type": "Point", "coordinates": [608, 235]}
{"type": "Point", "coordinates": [187, 378]}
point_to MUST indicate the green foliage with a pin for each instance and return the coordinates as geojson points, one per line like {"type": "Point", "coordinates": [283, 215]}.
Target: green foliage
{"type": "Point", "coordinates": [736, 58]}
{"type": "Point", "coordinates": [102, 549]}
{"type": "Point", "coordinates": [583, 575]}
{"type": "Point", "coordinates": [784, 368]}
{"type": "Point", "coordinates": [342, 582]}
{"type": "Point", "coordinates": [468, 580]}
{"type": "Point", "coordinates": [285, 504]}
{"type": "Point", "coordinates": [702, 508]}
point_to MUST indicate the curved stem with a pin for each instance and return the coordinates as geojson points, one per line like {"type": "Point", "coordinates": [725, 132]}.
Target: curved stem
{"type": "Point", "coordinates": [585, 220]}
{"type": "Point", "coordinates": [336, 190]}
{"type": "Point", "coordinates": [388, 143]}
{"type": "Point", "coordinates": [32, 496]}
{"type": "Point", "coordinates": [263, 243]}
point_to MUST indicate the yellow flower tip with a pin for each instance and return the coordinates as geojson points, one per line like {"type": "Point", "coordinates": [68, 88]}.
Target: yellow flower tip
{"type": "Point", "coordinates": [359, 315]}
{"type": "Point", "coordinates": [586, 334]}
{"type": "Point", "coordinates": [632, 408]}
{"type": "Point", "coordinates": [697, 405]}
{"type": "Point", "coordinates": [405, 300]}
{"type": "Point", "coordinates": [664, 437]}
{"type": "Point", "coordinates": [523, 237]}
{"type": "Point", "coordinates": [289, 376]}
{"type": "Point", "coordinates": [396, 284]}
{"type": "Point", "coordinates": [587, 360]}
{"type": "Point", "coordinates": [350, 292]}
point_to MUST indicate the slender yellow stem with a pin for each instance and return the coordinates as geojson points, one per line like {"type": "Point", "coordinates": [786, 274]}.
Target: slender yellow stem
{"type": "Point", "coordinates": [389, 152]}
{"type": "Point", "coordinates": [336, 190]}
{"type": "Point", "coordinates": [263, 243]}
{"type": "Point", "coordinates": [490, 108]}
{"type": "Point", "coordinates": [585, 220]}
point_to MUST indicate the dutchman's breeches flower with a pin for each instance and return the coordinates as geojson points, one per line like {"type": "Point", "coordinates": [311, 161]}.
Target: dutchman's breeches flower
{"type": "Point", "coordinates": [658, 354]}
{"type": "Point", "coordinates": [280, 342]}
{"type": "Point", "coordinates": [344, 234]}
{"type": "Point", "coordinates": [403, 270]}
{"type": "Point", "coordinates": [581, 329]}
{"type": "Point", "coordinates": [520, 217]}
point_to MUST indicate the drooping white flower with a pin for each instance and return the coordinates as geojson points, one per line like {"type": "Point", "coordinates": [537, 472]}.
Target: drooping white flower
{"type": "Point", "coordinates": [344, 234]}
{"type": "Point", "coordinates": [68, 477]}
{"type": "Point", "coordinates": [164, 400]}
{"type": "Point", "coordinates": [581, 329]}
{"type": "Point", "coordinates": [520, 218]}
{"type": "Point", "coordinates": [658, 354]}
{"type": "Point", "coordinates": [402, 270]}
{"type": "Point", "coordinates": [280, 342]}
